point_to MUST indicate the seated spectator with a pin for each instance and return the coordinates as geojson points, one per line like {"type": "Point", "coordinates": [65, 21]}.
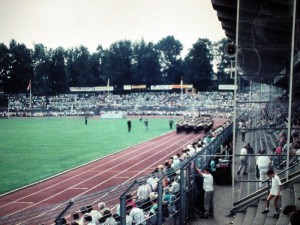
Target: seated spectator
{"type": "Point", "coordinates": [94, 213]}
{"type": "Point", "coordinates": [88, 219]}
{"type": "Point", "coordinates": [130, 200]}
{"type": "Point", "coordinates": [83, 211]}
{"type": "Point", "coordinates": [107, 218]}
{"type": "Point", "coordinates": [295, 218]}
{"type": "Point", "coordinates": [152, 183]}
{"type": "Point", "coordinates": [137, 214]}
{"type": "Point", "coordinates": [176, 163]}
{"type": "Point", "coordinates": [102, 207]}
{"type": "Point", "coordinates": [174, 187]}
{"type": "Point", "coordinates": [289, 209]}
{"type": "Point", "coordinates": [75, 217]}
{"type": "Point", "coordinates": [152, 215]}
{"type": "Point", "coordinates": [143, 195]}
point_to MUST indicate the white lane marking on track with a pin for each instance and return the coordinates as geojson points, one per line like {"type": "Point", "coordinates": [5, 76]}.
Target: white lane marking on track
{"type": "Point", "coordinates": [172, 142]}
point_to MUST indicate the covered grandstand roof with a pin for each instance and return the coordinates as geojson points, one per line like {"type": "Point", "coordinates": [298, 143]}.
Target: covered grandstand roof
{"type": "Point", "coordinates": [264, 38]}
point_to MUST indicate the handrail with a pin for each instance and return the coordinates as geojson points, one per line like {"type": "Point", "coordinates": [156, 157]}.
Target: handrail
{"type": "Point", "coordinates": [252, 198]}
{"type": "Point", "coordinates": [281, 172]}
{"type": "Point", "coordinates": [254, 193]}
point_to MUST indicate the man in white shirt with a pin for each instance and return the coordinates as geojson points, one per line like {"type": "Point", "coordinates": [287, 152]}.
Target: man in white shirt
{"type": "Point", "coordinates": [208, 186]}
{"type": "Point", "coordinates": [263, 164]}
{"type": "Point", "coordinates": [243, 160]}
{"type": "Point", "coordinates": [137, 214]}
{"type": "Point", "coordinates": [274, 193]}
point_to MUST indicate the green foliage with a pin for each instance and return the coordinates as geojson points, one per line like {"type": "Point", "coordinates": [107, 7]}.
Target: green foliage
{"type": "Point", "coordinates": [169, 50]}
{"type": "Point", "coordinates": [33, 149]}
{"type": "Point", "coordinates": [199, 65]}
{"type": "Point", "coordinates": [223, 63]}
{"type": "Point", "coordinates": [54, 71]}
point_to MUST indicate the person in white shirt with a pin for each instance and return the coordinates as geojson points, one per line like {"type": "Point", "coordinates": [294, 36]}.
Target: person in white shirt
{"type": "Point", "coordinates": [274, 193]}
{"type": "Point", "coordinates": [263, 163]}
{"type": "Point", "coordinates": [244, 161]}
{"type": "Point", "coordinates": [137, 214]}
{"type": "Point", "coordinates": [208, 186]}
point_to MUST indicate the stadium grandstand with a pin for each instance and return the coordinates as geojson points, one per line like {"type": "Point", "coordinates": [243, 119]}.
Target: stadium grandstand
{"type": "Point", "coordinates": [262, 117]}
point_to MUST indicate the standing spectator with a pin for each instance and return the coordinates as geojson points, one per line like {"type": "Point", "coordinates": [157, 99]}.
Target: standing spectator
{"type": "Point", "coordinates": [146, 123]}
{"type": "Point", "coordinates": [249, 148]}
{"type": "Point", "coordinates": [199, 197]}
{"type": "Point", "coordinates": [263, 163]}
{"type": "Point", "coordinates": [243, 160]}
{"type": "Point", "coordinates": [171, 122]}
{"type": "Point", "coordinates": [129, 125]}
{"type": "Point", "coordinates": [274, 193]}
{"type": "Point", "coordinates": [208, 186]}
{"type": "Point", "coordinates": [243, 131]}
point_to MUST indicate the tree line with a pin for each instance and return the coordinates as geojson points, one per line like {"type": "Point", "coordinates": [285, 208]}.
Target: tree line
{"type": "Point", "coordinates": [54, 71]}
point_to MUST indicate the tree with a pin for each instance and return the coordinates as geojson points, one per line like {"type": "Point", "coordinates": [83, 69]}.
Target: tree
{"type": "Point", "coordinates": [41, 70]}
{"type": "Point", "coordinates": [5, 62]}
{"type": "Point", "coordinates": [117, 63]}
{"type": "Point", "coordinates": [20, 69]}
{"type": "Point", "coordinates": [57, 76]}
{"type": "Point", "coordinates": [145, 64]}
{"type": "Point", "coordinates": [222, 62]}
{"type": "Point", "coordinates": [198, 65]}
{"type": "Point", "coordinates": [79, 67]}
{"type": "Point", "coordinates": [169, 50]}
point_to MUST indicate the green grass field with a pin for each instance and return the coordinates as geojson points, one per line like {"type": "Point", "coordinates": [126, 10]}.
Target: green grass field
{"type": "Point", "coordinates": [35, 148]}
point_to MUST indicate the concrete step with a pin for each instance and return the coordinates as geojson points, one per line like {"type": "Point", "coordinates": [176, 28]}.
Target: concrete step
{"type": "Point", "coordinates": [239, 217]}
{"type": "Point", "coordinates": [287, 198]}
{"type": "Point", "coordinates": [250, 215]}
{"type": "Point", "coordinates": [270, 220]}
{"type": "Point", "coordinates": [259, 217]}
{"type": "Point", "coordinates": [296, 187]}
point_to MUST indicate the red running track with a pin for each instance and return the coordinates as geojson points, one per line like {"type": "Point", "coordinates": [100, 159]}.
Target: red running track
{"type": "Point", "coordinates": [115, 169]}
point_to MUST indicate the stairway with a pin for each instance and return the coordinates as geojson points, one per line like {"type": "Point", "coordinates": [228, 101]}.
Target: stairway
{"type": "Point", "coordinates": [253, 216]}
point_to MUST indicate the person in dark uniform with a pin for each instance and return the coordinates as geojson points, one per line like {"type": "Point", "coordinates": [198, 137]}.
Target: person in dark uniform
{"type": "Point", "coordinates": [85, 120]}
{"type": "Point", "coordinates": [146, 124]}
{"type": "Point", "coordinates": [171, 122]}
{"type": "Point", "coordinates": [129, 125]}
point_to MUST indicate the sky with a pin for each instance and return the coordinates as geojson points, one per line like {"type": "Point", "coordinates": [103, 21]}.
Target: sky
{"type": "Point", "coordinates": [71, 23]}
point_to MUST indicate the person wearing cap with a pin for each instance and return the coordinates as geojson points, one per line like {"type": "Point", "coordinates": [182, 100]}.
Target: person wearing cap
{"type": "Point", "coordinates": [208, 186]}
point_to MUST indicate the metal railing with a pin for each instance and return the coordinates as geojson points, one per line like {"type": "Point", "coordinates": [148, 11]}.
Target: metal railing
{"type": "Point", "coordinates": [262, 193]}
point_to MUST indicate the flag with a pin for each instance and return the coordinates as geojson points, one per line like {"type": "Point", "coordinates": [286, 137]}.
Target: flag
{"type": "Point", "coordinates": [29, 85]}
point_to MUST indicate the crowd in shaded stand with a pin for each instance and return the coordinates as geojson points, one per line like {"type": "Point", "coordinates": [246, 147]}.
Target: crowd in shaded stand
{"type": "Point", "coordinates": [152, 103]}
{"type": "Point", "coordinates": [141, 204]}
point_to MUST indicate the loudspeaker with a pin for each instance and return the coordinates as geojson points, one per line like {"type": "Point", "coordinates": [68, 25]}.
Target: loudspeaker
{"type": "Point", "coordinates": [230, 50]}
